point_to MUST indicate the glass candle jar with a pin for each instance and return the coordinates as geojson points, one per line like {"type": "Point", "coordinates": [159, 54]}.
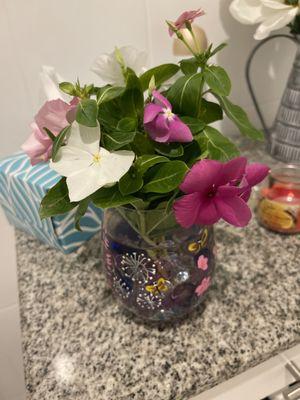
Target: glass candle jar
{"type": "Point", "coordinates": [279, 204]}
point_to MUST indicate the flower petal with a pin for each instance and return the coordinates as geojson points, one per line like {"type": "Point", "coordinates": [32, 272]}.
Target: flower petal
{"type": "Point", "coordinates": [53, 116]}
{"type": "Point", "coordinates": [208, 214]}
{"type": "Point", "coordinates": [234, 210]}
{"type": "Point", "coordinates": [247, 12]}
{"type": "Point", "coordinates": [179, 131]}
{"type": "Point", "coordinates": [107, 67]}
{"type": "Point", "coordinates": [202, 176]}
{"type": "Point", "coordinates": [50, 82]}
{"type": "Point", "coordinates": [186, 209]}
{"type": "Point", "coordinates": [71, 160]}
{"type": "Point", "coordinates": [158, 129]}
{"type": "Point", "coordinates": [85, 182]}
{"type": "Point", "coordinates": [161, 99]}
{"type": "Point", "coordinates": [84, 138]}
{"type": "Point", "coordinates": [151, 111]}
{"type": "Point", "coordinates": [276, 4]}
{"type": "Point", "coordinates": [233, 170]}
{"type": "Point", "coordinates": [276, 20]}
{"type": "Point", "coordinates": [256, 172]}
{"type": "Point", "coordinates": [114, 165]}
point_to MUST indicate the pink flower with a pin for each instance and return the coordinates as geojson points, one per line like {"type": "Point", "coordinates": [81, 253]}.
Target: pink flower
{"type": "Point", "coordinates": [215, 190]}
{"type": "Point", "coordinates": [162, 124]}
{"type": "Point", "coordinates": [186, 16]}
{"type": "Point", "coordinates": [204, 285]}
{"type": "Point", "coordinates": [255, 173]}
{"type": "Point", "coordinates": [202, 262]}
{"type": "Point", "coordinates": [54, 115]}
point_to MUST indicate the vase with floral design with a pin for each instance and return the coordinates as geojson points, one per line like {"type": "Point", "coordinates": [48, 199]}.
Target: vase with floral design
{"type": "Point", "coordinates": [154, 267]}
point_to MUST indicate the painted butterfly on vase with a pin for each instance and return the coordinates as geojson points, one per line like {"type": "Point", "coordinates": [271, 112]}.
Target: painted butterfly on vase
{"type": "Point", "coordinates": [196, 246]}
{"type": "Point", "coordinates": [161, 286]}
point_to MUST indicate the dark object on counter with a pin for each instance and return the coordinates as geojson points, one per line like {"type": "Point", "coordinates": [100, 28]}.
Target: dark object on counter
{"type": "Point", "coordinates": [283, 138]}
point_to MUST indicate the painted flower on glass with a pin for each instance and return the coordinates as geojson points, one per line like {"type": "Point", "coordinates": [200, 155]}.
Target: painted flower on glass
{"type": "Point", "coordinates": [54, 116]}
{"type": "Point", "coordinates": [269, 14]}
{"type": "Point", "coordinates": [162, 124]}
{"type": "Point", "coordinates": [138, 267]}
{"type": "Point", "coordinates": [213, 191]}
{"type": "Point", "coordinates": [185, 17]}
{"type": "Point", "coordinates": [87, 166]}
{"type": "Point", "coordinates": [109, 69]}
{"type": "Point", "coordinates": [202, 262]}
{"type": "Point", "coordinates": [204, 285]}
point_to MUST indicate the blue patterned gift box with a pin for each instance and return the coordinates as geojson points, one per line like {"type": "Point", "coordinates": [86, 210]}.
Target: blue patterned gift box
{"type": "Point", "coordinates": [22, 187]}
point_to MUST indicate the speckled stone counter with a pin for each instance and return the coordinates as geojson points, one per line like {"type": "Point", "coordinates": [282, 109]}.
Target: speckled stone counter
{"type": "Point", "coordinates": [78, 345]}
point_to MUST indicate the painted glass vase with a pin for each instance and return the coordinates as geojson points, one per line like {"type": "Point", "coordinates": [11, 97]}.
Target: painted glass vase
{"type": "Point", "coordinates": [155, 268]}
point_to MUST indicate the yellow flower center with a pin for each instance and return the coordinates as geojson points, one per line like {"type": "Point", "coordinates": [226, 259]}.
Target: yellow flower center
{"type": "Point", "coordinates": [168, 114]}
{"type": "Point", "coordinates": [96, 158]}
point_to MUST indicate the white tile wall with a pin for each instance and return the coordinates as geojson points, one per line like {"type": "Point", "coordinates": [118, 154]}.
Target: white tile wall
{"type": "Point", "coordinates": [69, 34]}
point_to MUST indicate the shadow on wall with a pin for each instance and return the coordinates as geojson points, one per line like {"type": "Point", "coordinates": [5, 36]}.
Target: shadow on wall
{"type": "Point", "coordinates": [269, 72]}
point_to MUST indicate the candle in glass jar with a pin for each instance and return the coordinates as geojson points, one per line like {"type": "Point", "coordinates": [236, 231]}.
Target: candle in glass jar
{"type": "Point", "coordinates": [279, 205]}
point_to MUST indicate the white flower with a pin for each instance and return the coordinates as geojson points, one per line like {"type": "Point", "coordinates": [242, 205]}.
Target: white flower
{"type": "Point", "coordinates": [87, 166]}
{"type": "Point", "coordinates": [270, 14]}
{"type": "Point", "coordinates": [50, 81]}
{"type": "Point", "coordinates": [109, 69]}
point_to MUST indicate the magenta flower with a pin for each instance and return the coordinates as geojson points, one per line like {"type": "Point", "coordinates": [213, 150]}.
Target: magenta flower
{"type": "Point", "coordinates": [162, 124]}
{"type": "Point", "coordinates": [202, 263]}
{"type": "Point", "coordinates": [204, 285]}
{"type": "Point", "coordinates": [255, 173]}
{"type": "Point", "coordinates": [186, 16]}
{"type": "Point", "coordinates": [216, 190]}
{"type": "Point", "coordinates": [54, 115]}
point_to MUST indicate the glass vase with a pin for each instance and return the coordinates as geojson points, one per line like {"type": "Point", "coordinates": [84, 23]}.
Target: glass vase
{"type": "Point", "coordinates": [154, 267]}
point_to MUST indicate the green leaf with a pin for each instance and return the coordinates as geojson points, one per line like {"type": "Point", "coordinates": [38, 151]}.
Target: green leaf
{"type": "Point", "coordinates": [131, 182]}
{"type": "Point", "coordinates": [87, 111]}
{"type": "Point", "coordinates": [110, 197]}
{"type": "Point", "coordinates": [171, 201]}
{"type": "Point", "coordinates": [108, 93]}
{"type": "Point", "coordinates": [192, 152]}
{"type": "Point", "coordinates": [196, 125]}
{"type": "Point", "coordinates": [240, 118]}
{"type": "Point", "coordinates": [171, 150]}
{"type": "Point", "coordinates": [127, 124]}
{"type": "Point", "coordinates": [210, 112]}
{"type": "Point", "coordinates": [219, 147]}
{"type": "Point", "coordinates": [218, 48]}
{"type": "Point", "coordinates": [59, 141]}
{"type": "Point", "coordinates": [189, 66]}
{"type": "Point", "coordinates": [50, 134]}
{"type": "Point", "coordinates": [68, 87]}
{"type": "Point", "coordinates": [56, 201]}
{"type": "Point", "coordinates": [116, 140]}
{"type": "Point", "coordinates": [185, 95]}
{"type": "Point", "coordinates": [167, 177]}
{"type": "Point", "coordinates": [161, 74]}
{"type": "Point", "coordinates": [143, 163]}
{"type": "Point", "coordinates": [80, 211]}
{"type": "Point", "coordinates": [132, 101]}
{"type": "Point", "coordinates": [142, 144]}
{"type": "Point", "coordinates": [218, 80]}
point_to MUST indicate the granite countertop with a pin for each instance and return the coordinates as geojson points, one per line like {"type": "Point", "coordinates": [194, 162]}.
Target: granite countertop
{"type": "Point", "coordinates": [78, 345]}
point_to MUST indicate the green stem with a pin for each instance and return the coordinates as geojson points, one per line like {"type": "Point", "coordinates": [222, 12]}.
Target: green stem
{"type": "Point", "coordinates": [142, 234]}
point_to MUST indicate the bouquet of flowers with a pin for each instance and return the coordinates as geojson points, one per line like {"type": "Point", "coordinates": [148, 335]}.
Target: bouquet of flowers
{"type": "Point", "coordinates": [145, 141]}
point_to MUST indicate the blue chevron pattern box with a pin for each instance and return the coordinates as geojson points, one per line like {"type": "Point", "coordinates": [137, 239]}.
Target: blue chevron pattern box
{"type": "Point", "coordinates": [22, 187]}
